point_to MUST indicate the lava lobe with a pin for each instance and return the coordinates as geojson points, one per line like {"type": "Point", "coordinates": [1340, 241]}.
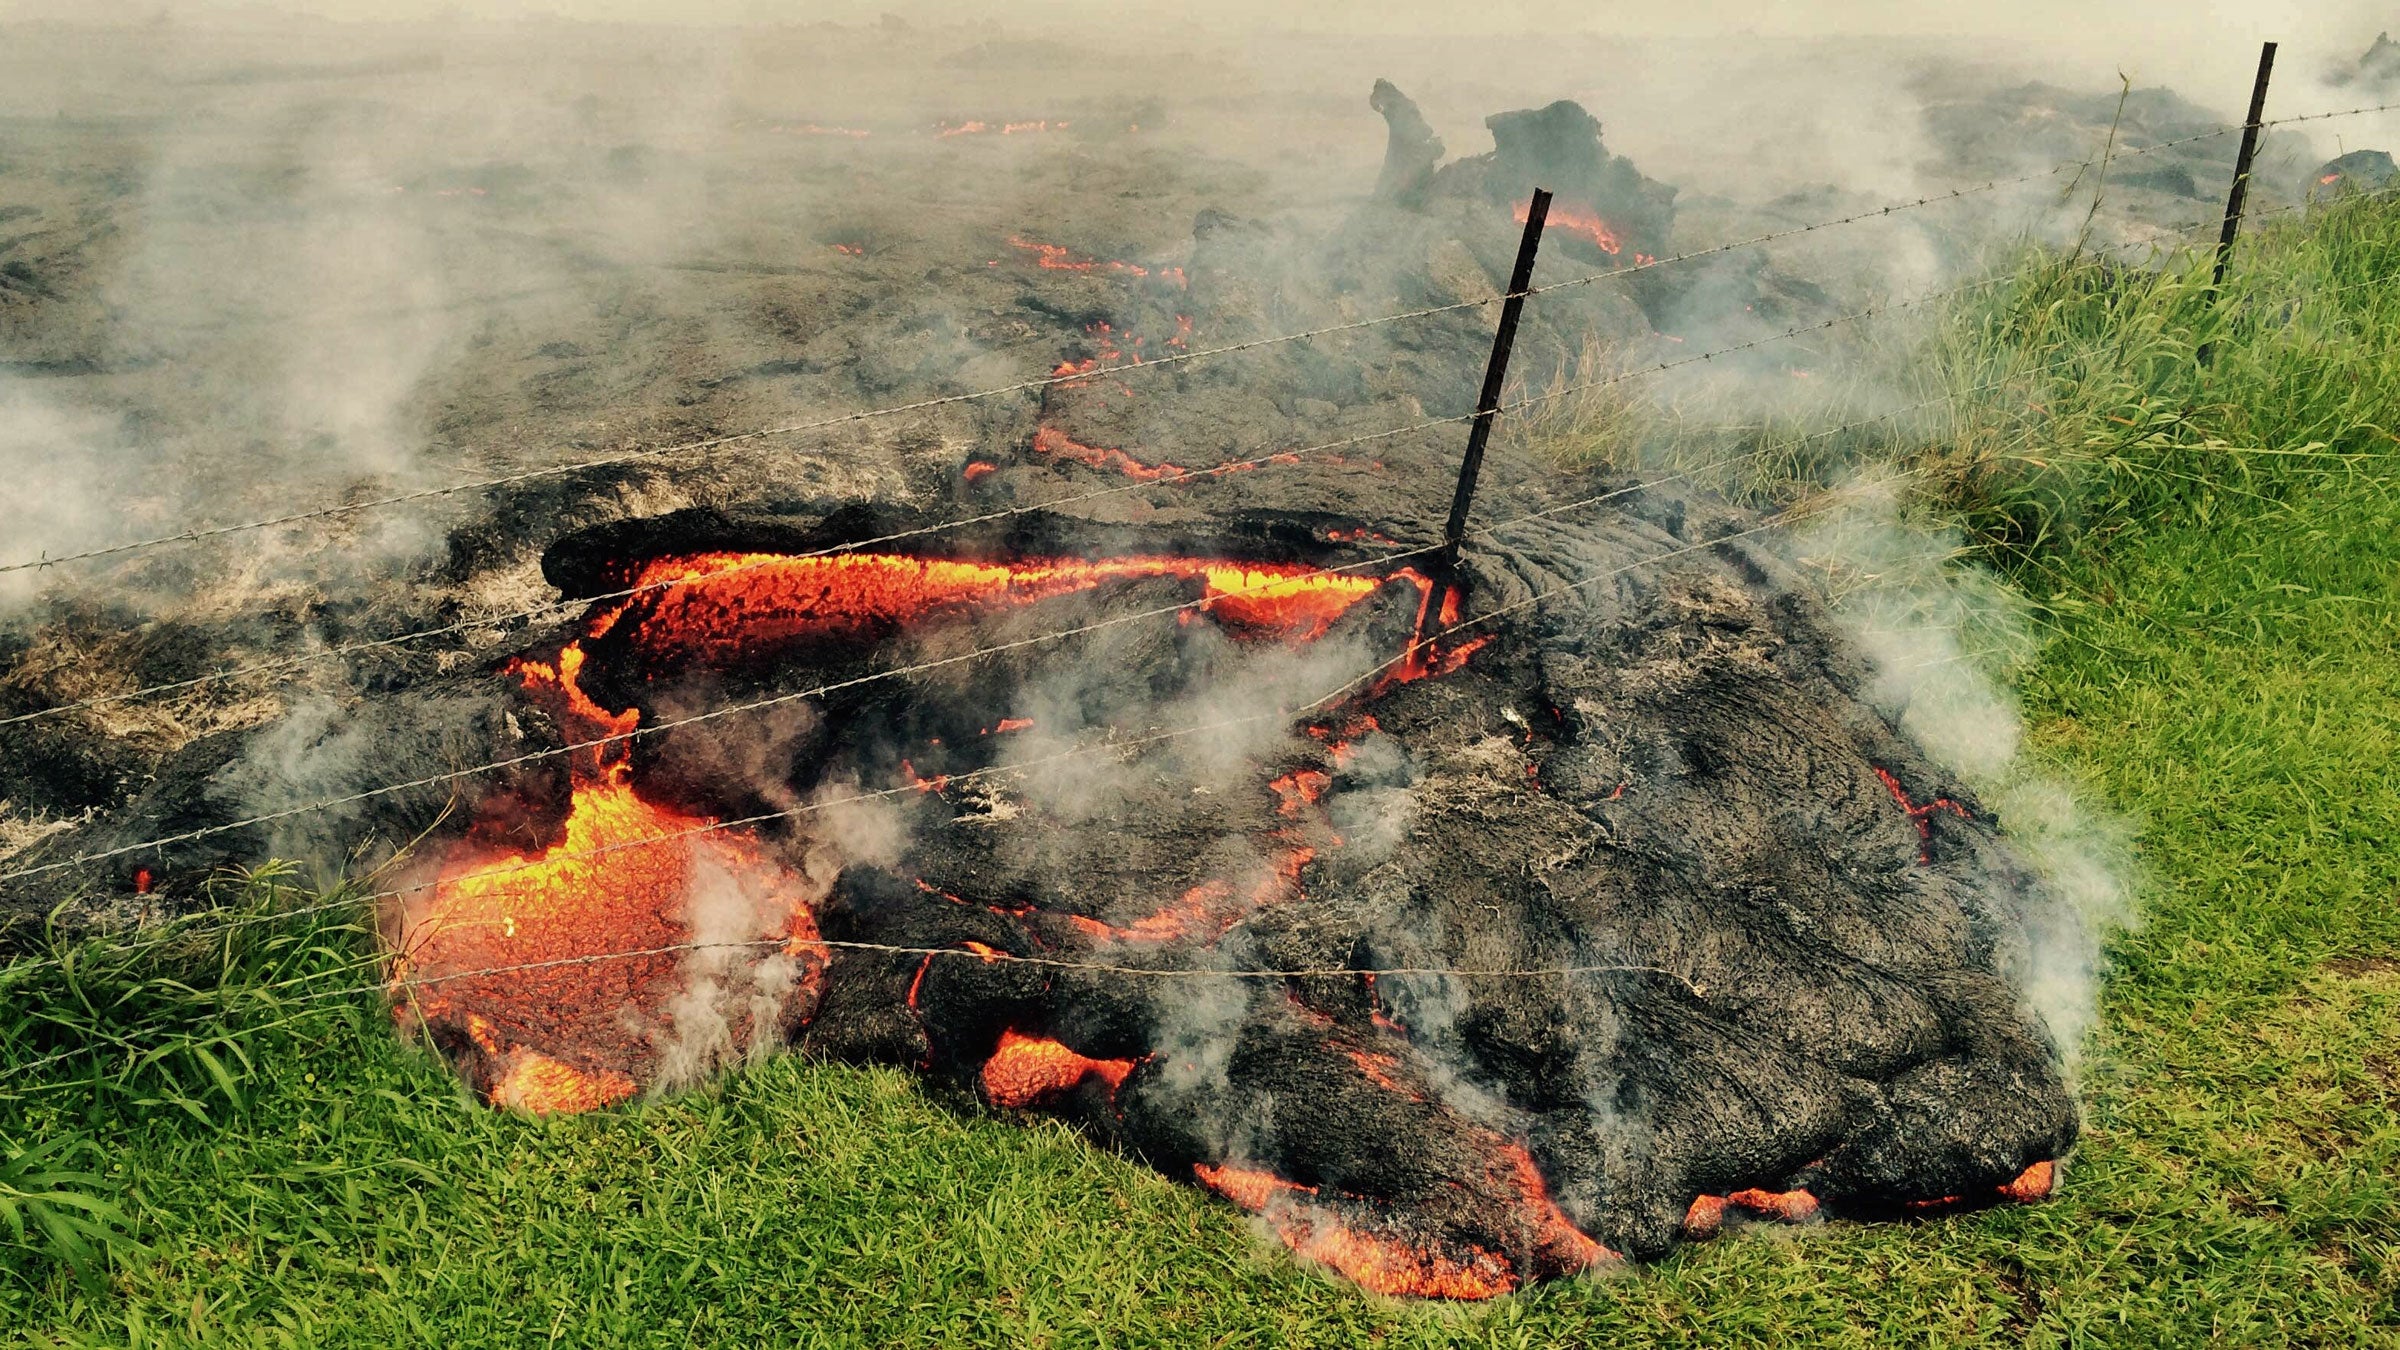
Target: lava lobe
{"type": "Point", "coordinates": [1462, 964]}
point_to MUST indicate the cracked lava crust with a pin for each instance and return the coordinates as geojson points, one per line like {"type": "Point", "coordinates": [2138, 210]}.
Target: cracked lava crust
{"type": "Point", "coordinates": [1797, 948]}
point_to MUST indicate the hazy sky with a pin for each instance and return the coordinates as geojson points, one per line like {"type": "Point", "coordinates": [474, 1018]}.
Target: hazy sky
{"type": "Point", "coordinates": [2205, 47]}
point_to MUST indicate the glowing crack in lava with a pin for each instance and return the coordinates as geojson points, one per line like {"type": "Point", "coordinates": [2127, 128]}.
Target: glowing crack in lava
{"type": "Point", "coordinates": [1060, 258]}
{"type": "Point", "coordinates": [948, 129]}
{"type": "Point", "coordinates": [1002, 943]}
{"type": "Point", "coordinates": [1585, 225]}
{"type": "Point", "coordinates": [511, 954]}
{"type": "Point", "coordinates": [1920, 816]}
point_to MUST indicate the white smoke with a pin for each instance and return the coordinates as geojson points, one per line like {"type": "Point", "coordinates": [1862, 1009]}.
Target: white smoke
{"type": "Point", "coordinates": [58, 459]}
{"type": "Point", "coordinates": [735, 988]}
{"type": "Point", "coordinates": [1938, 630]}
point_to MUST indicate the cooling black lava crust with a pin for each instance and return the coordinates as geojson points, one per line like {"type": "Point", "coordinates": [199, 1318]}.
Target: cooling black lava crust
{"type": "Point", "coordinates": [1616, 902]}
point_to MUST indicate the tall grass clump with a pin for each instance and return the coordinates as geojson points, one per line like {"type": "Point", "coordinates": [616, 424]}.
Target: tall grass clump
{"type": "Point", "coordinates": [2060, 401]}
{"type": "Point", "coordinates": [103, 1036]}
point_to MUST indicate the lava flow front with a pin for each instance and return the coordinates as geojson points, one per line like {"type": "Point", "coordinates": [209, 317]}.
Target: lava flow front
{"type": "Point", "coordinates": [957, 846]}
{"type": "Point", "coordinates": [567, 970]}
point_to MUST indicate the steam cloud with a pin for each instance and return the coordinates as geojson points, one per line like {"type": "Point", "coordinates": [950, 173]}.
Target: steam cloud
{"type": "Point", "coordinates": [1937, 630]}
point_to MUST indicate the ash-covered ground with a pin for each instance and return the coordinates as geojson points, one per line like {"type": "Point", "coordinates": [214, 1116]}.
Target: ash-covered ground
{"type": "Point", "coordinates": [244, 273]}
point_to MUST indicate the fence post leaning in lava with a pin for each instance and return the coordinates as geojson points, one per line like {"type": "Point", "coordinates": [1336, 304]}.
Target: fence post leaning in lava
{"type": "Point", "coordinates": [1487, 408]}
{"type": "Point", "coordinates": [2241, 180]}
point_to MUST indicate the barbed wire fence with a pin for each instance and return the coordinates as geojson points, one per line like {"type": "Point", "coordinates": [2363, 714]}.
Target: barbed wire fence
{"type": "Point", "coordinates": [1382, 561]}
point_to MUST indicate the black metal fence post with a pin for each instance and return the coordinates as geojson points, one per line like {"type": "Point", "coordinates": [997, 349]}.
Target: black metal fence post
{"type": "Point", "coordinates": [1487, 409]}
{"type": "Point", "coordinates": [2241, 179]}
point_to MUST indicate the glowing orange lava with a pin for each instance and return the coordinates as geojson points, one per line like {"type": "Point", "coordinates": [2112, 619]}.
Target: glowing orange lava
{"type": "Point", "coordinates": [521, 950]}
{"type": "Point", "coordinates": [1373, 1261]}
{"type": "Point", "coordinates": [2032, 1184]}
{"type": "Point", "coordinates": [1299, 789]}
{"type": "Point", "coordinates": [1789, 1206]}
{"type": "Point", "coordinates": [1560, 1244]}
{"type": "Point", "coordinates": [1204, 910]}
{"type": "Point", "coordinates": [1584, 224]}
{"type": "Point", "coordinates": [1379, 1069]}
{"type": "Point", "coordinates": [1315, 1231]}
{"type": "Point", "coordinates": [1705, 1219]}
{"type": "Point", "coordinates": [535, 1083]}
{"type": "Point", "coordinates": [723, 609]}
{"type": "Point", "coordinates": [1920, 816]}
{"type": "Point", "coordinates": [1059, 445]}
{"type": "Point", "coordinates": [1028, 1071]}
{"type": "Point", "coordinates": [563, 966]}
{"type": "Point", "coordinates": [1060, 258]}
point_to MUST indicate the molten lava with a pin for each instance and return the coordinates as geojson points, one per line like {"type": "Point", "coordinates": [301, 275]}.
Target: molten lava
{"type": "Point", "coordinates": [1060, 258]}
{"type": "Point", "coordinates": [521, 950]}
{"type": "Point", "coordinates": [1705, 1219]}
{"type": "Point", "coordinates": [1058, 445]}
{"type": "Point", "coordinates": [1027, 1071]}
{"type": "Point", "coordinates": [1920, 816]}
{"type": "Point", "coordinates": [1342, 1231]}
{"type": "Point", "coordinates": [2032, 1184]}
{"type": "Point", "coordinates": [1376, 1261]}
{"type": "Point", "coordinates": [722, 610]}
{"type": "Point", "coordinates": [1789, 1206]}
{"type": "Point", "coordinates": [1577, 221]}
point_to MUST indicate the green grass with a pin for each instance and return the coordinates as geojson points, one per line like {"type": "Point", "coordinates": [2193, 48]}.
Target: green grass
{"type": "Point", "coordinates": [2221, 663]}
